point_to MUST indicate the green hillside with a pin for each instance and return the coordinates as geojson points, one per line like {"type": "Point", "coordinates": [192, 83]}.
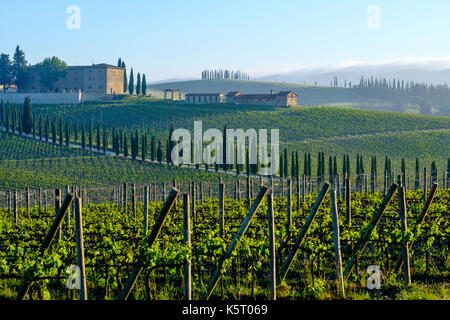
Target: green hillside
{"type": "Point", "coordinates": [336, 130]}
{"type": "Point", "coordinates": [377, 99]}
{"type": "Point", "coordinates": [308, 95]}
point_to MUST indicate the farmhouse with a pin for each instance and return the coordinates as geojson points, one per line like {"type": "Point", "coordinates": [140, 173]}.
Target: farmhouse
{"type": "Point", "coordinates": [174, 94]}
{"type": "Point", "coordinates": [98, 78]}
{"type": "Point", "coordinates": [204, 97]}
{"type": "Point", "coordinates": [281, 99]}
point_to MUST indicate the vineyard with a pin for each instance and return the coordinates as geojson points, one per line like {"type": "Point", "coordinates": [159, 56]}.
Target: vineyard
{"type": "Point", "coordinates": [222, 241]}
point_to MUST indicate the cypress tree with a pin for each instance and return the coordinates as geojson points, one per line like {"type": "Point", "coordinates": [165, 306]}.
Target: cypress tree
{"type": "Point", "coordinates": [7, 120]}
{"type": "Point", "coordinates": [144, 85]}
{"type": "Point", "coordinates": [281, 166]}
{"type": "Point", "coordinates": [125, 145]}
{"type": "Point", "coordinates": [27, 116]}
{"type": "Point", "coordinates": [125, 80]}
{"type": "Point", "coordinates": [335, 169]}
{"type": "Point", "coordinates": [286, 161]}
{"type": "Point", "coordinates": [309, 164]}
{"type": "Point", "coordinates": [330, 168]}
{"type": "Point", "coordinates": [76, 132]}
{"type": "Point", "coordinates": [54, 130]}
{"type": "Point", "coordinates": [20, 124]}
{"type": "Point", "coordinates": [98, 138]}
{"type": "Point", "coordinates": [159, 153]}
{"type": "Point", "coordinates": [105, 139]}
{"type": "Point", "coordinates": [61, 132]}
{"type": "Point", "coordinates": [47, 128]}
{"type": "Point", "coordinates": [83, 136]}
{"type": "Point", "coordinates": [153, 148]}
{"type": "Point", "coordinates": [170, 145]}
{"type": "Point", "coordinates": [131, 83]}
{"type": "Point", "coordinates": [138, 84]}
{"type": "Point", "coordinates": [34, 127]}
{"type": "Point", "coordinates": [40, 127]}
{"type": "Point", "coordinates": [91, 135]}
{"type": "Point", "coordinates": [67, 133]}
{"type": "Point", "coordinates": [224, 147]}
{"type": "Point", "coordinates": [417, 179]}
{"type": "Point", "coordinates": [2, 113]}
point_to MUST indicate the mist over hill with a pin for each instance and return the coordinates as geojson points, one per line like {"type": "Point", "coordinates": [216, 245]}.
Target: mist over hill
{"type": "Point", "coordinates": [432, 71]}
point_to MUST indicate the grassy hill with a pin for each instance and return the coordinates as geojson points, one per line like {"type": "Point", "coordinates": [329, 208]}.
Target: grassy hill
{"type": "Point", "coordinates": [308, 95]}
{"type": "Point", "coordinates": [29, 163]}
{"type": "Point", "coordinates": [334, 130]}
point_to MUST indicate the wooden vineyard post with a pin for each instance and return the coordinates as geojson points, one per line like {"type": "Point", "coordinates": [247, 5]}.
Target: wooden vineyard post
{"type": "Point", "coordinates": [221, 209]}
{"type": "Point", "coordinates": [299, 202]}
{"type": "Point", "coordinates": [174, 185]}
{"type": "Point", "coordinates": [40, 199]}
{"type": "Point", "coordinates": [301, 236]}
{"type": "Point", "coordinates": [303, 187]}
{"type": "Point", "coordinates": [337, 243]}
{"type": "Point", "coordinates": [248, 192]}
{"type": "Point", "coordinates": [125, 196]}
{"type": "Point", "coordinates": [201, 191]}
{"type": "Point", "coordinates": [419, 222]}
{"type": "Point", "coordinates": [289, 207]}
{"type": "Point", "coordinates": [362, 242]}
{"type": "Point", "coordinates": [145, 210]}
{"type": "Point", "coordinates": [272, 257]}
{"type": "Point", "coordinates": [424, 184]}
{"type": "Point", "coordinates": [68, 209]}
{"type": "Point", "coordinates": [27, 199]}
{"type": "Point", "coordinates": [148, 241]}
{"type": "Point", "coordinates": [57, 206]}
{"type": "Point", "coordinates": [404, 225]}
{"type": "Point", "coordinates": [194, 215]}
{"type": "Point", "coordinates": [187, 289]}
{"type": "Point", "coordinates": [237, 237]}
{"type": "Point", "coordinates": [133, 199]}
{"type": "Point", "coordinates": [348, 201]}
{"type": "Point", "coordinates": [26, 283]}
{"type": "Point", "coordinates": [15, 204]}
{"type": "Point", "coordinates": [80, 248]}
{"type": "Point", "coordinates": [238, 191]}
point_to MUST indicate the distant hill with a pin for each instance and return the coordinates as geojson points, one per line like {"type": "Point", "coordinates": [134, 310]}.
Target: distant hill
{"type": "Point", "coordinates": [308, 95]}
{"type": "Point", "coordinates": [432, 71]}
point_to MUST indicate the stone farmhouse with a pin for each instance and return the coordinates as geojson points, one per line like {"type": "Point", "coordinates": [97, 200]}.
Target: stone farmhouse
{"type": "Point", "coordinates": [97, 79]}
{"type": "Point", "coordinates": [204, 97]}
{"type": "Point", "coordinates": [281, 99]}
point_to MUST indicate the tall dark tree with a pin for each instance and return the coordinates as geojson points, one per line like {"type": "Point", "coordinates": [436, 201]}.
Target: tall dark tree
{"type": "Point", "coordinates": [153, 148]}
{"type": "Point", "coordinates": [50, 70]}
{"type": "Point", "coordinates": [91, 135]}
{"type": "Point", "coordinates": [18, 67]}
{"type": "Point", "coordinates": [144, 85]}
{"type": "Point", "coordinates": [159, 153]}
{"type": "Point", "coordinates": [125, 80]}
{"type": "Point", "coordinates": [119, 63]}
{"type": "Point", "coordinates": [61, 132]}
{"type": "Point", "coordinates": [41, 128]}
{"type": "Point", "coordinates": [6, 75]}
{"type": "Point", "coordinates": [138, 84]}
{"type": "Point", "coordinates": [27, 116]}
{"type": "Point", "coordinates": [54, 130]}
{"type": "Point", "coordinates": [131, 83]}
{"type": "Point", "coordinates": [83, 136]}
{"type": "Point", "coordinates": [67, 132]}
{"type": "Point", "coordinates": [98, 140]}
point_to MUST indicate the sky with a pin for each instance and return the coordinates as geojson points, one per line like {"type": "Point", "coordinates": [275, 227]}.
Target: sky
{"type": "Point", "coordinates": [179, 38]}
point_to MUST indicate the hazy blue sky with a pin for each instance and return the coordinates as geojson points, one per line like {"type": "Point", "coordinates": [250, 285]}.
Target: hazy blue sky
{"type": "Point", "coordinates": [171, 39]}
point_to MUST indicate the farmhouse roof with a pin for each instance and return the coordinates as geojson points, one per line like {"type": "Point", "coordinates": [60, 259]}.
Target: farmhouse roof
{"type": "Point", "coordinates": [203, 94]}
